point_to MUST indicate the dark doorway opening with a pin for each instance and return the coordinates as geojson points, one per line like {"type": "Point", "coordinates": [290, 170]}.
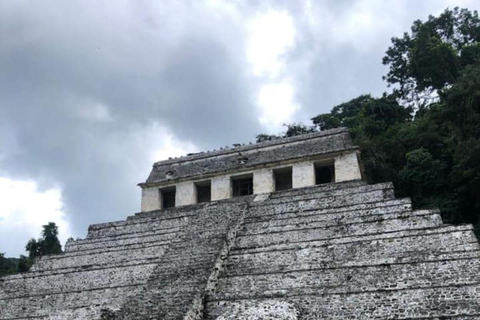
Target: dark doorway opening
{"type": "Point", "coordinates": [168, 197]}
{"type": "Point", "coordinates": [204, 192]}
{"type": "Point", "coordinates": [242, 186]}
{"type": "Point", "coordinates": [324, 174]}
{"type": "Point", "coordinates": [283, 178]}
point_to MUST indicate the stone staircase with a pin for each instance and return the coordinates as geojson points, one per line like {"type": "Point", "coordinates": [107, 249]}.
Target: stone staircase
{"type": "Point", "coordinates": [117, 261]}
{"type": "Point", "coordinates": [347, 251]}
{"type": "Point", "coordinates": [335, 251]}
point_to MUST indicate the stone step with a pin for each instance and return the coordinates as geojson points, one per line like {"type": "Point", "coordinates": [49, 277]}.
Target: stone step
{"type": "Point", "coordinates": [177, 217]}
{"type": "Point", "coordinates": [81, 280]}
{"type": "Point", "coordinates": [466, 230]}
{"type": "Point", "coordinates": [78, 269]}
{"type": "Point", "coordinates": [356, 210]}
{"type": "Point", "coordinates": [130, 228]}
{"type": "Point", "coordinates": [104, 258]}
{"type": "Point", "coordinates": [419, 303]}
{"type": "Point", "coordinates": [389, 236]}
{"type": "Point", "coordinates": [123, 242]}
{"type": "Point", "coordinates": [228, 205]}
{"type": "Point", "coordinates": [325, 254]}
{"type": "Point", "coordinates": [329, 203]}
{"type": "Point", "coordinates": [48, 305]}
{"type": "Point", "coordinates": [318, 189]}
{"type": "Point", "coordinates": [26, 318]}
{"type": "Point", "coordinates": [136, 226]}
{"type": "Point", "coordinates": [323, 191]}
{"type": "Point", "coordinates": [362, 194]}
{"type": "Point", "coordinates": [81, 313]}
{"type": "Point", "coordinates": [349, 279]}
{"type": "Point", "coordinates": [320, 231]}
{"type": "Point", "coordinates": [341, 219]}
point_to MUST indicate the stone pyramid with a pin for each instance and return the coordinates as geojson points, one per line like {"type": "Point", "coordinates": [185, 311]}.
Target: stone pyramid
{"type": "Point", "coordinates": [339, 250]}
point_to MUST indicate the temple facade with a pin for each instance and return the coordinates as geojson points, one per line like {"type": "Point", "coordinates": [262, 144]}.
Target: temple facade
{"type": "Point", "coordinates": [295, 162]}
{"type": "Point", "coordinates": [284, 229]}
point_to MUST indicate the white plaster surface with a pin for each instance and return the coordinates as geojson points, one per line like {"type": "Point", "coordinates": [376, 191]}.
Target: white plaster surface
{"type": "Point", "coordinates": [347, 167]}
{"type": "Point", "coordinates": [221, 188]}
{"type": "Point", "coordinates": [150, 199]}
{"type": "Point", "coordinates": [303, 174]}
{"type": "Point", "coordinates": [185, 193]}
{"type": "Point", "coordinates": [263, 181]}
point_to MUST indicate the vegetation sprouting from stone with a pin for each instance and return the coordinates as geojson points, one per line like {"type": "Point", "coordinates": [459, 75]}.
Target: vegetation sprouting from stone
{"type": "Point", "coordinates": [425, 134]}
{"type": "Point", "coordinates": [47, 244]}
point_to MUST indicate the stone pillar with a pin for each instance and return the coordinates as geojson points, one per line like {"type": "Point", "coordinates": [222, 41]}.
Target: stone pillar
{"type": "Point", "coordinates": [347, 167]}
{"type": "Point", "coordinates": [263, 181]}
{"type": "Point", "coordinates": [150, 199]}
{"type": "Point", "coordinates": [185, 193]}
{"type": "Point", "coordinates": [221, 188]}
{"type": "Point", "coordinates": [303, 174]}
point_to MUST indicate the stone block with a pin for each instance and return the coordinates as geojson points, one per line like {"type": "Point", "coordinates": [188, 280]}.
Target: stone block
{"type": "Point", "coordinates": [221, 188]}
{"type": "Point", "coordinates": [263, 181]}
{"type": "Point", "coordinates": [150, 199]}
{"type": "Point", "coordinates": [347, 167]}
{"type": "Point", "coordinates": [185, 194]}
{"type": "Point", "coordinates": [303, 174]}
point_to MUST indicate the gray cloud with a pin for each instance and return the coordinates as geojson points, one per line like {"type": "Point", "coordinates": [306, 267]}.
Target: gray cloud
{"type": "Point", "coordinates": [83, 85]}
{"type": "Point", "coordinates": [80, 91]}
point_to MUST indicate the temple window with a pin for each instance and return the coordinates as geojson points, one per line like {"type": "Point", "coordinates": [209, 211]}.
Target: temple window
{"type": "Point", "coordinates": [204, 191]}
{"type": "Point", "coordinates": [283, 178]}
{"type": "Point", "coordinates": [242, 186]}
{"type": "Point", "coordinates": [324, 173]}
{"type": "Point", "coordinates": [168, 197]}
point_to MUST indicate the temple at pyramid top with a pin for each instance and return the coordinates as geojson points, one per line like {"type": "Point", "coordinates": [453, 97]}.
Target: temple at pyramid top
{"type": "Point", "coordinates": [294, 162]}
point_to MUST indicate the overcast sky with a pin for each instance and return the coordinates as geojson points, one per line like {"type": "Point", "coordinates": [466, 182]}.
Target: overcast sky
{"type": "Point", "coordinates": [93, 92]}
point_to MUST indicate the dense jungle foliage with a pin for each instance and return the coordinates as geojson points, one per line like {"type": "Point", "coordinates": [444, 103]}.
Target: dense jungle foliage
{"type": "Point", "coordinates": [424, 135]}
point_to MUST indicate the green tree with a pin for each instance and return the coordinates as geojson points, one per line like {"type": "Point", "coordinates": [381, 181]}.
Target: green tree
{"type": "Point", "coordinates": [50, 243]}
{"type": "Point", "coordinates": [296, 129]}
{"type": "Point", "coordinates": [34, 248]}
{"type": "Point", "coordinates": [47, 244]}
{"type": "Point", "coordinates": [24, 264]}
{"type": "Point", "coordinates": [433, 55]}
{"type": "Point", "coordinates": [432, 155]}
{"type": "Point", "coordinates": [293, 129]}
{"type": "Point", "coordinates": [266, 137]}
{"type": "Point", "coordinates": [7, 265]}
{"type": "Point", "coordinates": [343, 115]}
{"type": "Point", "coordinates": [425, 176]}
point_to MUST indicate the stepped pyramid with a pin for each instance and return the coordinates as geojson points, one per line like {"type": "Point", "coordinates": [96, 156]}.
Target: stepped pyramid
{"type": "Point", "coordinates": [284, 229]}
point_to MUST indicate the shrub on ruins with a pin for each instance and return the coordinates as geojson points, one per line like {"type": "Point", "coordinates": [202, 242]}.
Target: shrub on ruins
{"type": "Point", "coordinates": [293, 129]}
{"type": "Point", "coordinates": [24, 263]}
{"type": "Point", "coordinates": [266, 137]}
{"type": "Point", "coordinates": [7, 265]}
{"type": "Point", "coordinates": [47, 244]}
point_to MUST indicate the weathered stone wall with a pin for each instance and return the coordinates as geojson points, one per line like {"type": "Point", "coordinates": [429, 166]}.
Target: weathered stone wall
{"type": "Point", "coordinates": [347, 251]}
{"type": "Point", "coordinates": [336, 251]}
{"type": "Point", "coordinates": [301, 153]}
{"type": "Point", "coordinates": [247, 157]}
{"type": "Point", "coordinates": [303, 174]}
{"type": "Point", "coordinates": [221, 188]}
{"type": "Point", "coordinates": [186, 193]}
{"type": "Point", "coordinates": [347, 167]}
{"type": "Point", "coordinates": [150, 199]}
{"type": "Point", "coordinates": [263, 181]}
